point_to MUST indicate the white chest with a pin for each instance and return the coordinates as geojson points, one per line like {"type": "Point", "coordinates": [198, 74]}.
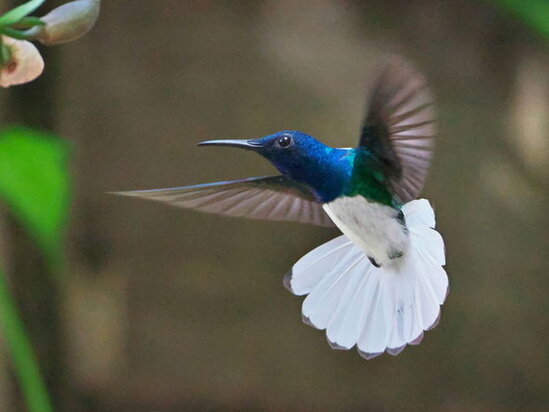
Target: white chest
{"type": "Point", "coordinates": [372, 226]}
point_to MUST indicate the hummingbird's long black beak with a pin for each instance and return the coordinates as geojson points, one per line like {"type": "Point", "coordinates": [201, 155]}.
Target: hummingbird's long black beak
{"type": "Point", "coordinates": [252, 144]}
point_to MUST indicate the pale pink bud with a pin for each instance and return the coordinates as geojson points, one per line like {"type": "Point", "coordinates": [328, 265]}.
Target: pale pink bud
{"type": "Point", "coordinates": [67, 22]}
{"type": "Point", "coordinates": [25, 63]}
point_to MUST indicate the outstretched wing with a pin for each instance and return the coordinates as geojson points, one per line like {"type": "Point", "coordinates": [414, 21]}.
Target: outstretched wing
{"type": "Point", "coordinates": [399, 129]}
{"type": "Point", "coordinates": [267, 198]}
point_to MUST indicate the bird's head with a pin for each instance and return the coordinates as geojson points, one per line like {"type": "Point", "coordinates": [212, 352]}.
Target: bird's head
{"type": "Point", "coordinates": [298, 156]}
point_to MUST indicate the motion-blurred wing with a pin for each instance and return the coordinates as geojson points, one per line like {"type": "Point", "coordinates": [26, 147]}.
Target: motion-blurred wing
{"type": "Point", "coordinates": [268, 198]}
{"type": "Point", "coordinates": [399, 129]}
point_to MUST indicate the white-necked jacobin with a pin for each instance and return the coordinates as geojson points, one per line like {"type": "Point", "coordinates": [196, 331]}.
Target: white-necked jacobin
{"type": "Point", "coordinates": [380, 285]}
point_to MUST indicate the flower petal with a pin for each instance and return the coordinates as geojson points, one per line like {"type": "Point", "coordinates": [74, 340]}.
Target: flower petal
{"type": "Point", "coordinates": [25, 64]}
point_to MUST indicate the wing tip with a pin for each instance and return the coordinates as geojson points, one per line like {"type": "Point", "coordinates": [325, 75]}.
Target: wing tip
{"type": "Point", "coordinates": [403, 101]}
{"type": "Point", "coordinates": [404, 65]}
{"type": "Point", "coordinates": [122, 193]}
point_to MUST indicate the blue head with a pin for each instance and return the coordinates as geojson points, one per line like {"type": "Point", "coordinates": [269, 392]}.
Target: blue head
{"type": "Point", "coordinates": [325, 170]}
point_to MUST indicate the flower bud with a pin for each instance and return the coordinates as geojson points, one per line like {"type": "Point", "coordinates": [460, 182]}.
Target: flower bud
{"type": "Point", "coordinates": [24, 64]}
{"type": "Point", "coordinates": [67, 22]}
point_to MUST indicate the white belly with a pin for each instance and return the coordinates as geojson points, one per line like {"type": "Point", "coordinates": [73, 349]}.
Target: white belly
{"type": "Point", "coordinates": [372, 226]}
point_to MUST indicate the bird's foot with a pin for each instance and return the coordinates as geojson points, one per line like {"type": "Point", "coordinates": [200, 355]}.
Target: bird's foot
{"type": "Point", "coordinates": [373, 262]}
{"type": "Point", "coordinates": [395, 254]}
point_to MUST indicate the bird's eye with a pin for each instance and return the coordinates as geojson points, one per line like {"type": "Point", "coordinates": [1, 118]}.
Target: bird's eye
{"type": "Point", "coordinates": [285, 141]}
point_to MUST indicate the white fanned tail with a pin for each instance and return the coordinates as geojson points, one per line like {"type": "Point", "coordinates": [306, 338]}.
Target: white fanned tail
{"type": "Point", "coordinates": [376, 309]}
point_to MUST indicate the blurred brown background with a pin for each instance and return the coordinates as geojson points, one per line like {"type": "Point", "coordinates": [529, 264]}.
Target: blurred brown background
{"type": "Point", "coordinates": [173, 310]}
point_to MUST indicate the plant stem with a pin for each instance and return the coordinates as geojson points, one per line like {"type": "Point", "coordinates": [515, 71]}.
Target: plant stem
{"type": "Point", "coordinates": [24, 361]}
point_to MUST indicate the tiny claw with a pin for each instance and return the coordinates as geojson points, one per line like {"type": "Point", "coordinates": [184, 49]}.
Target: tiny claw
{"type": "Point", "coordinates": [373, 262]}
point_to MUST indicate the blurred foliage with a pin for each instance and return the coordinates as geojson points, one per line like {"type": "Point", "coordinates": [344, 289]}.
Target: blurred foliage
{"type": "Point", "coordinates": [15, 15]}
{"type": "Point", "coordinates": [34, 183]}
{"type": "Point", "coordinates": [533, 12]}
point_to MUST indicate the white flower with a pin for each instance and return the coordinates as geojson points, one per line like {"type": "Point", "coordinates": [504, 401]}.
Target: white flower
{"type": "Point", "coordinates": [25, 63]}
{"type": "Point", "coordinates": [67, 22]}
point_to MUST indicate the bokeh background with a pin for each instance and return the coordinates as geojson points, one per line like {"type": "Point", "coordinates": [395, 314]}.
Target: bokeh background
{"type": "Point", "coordinates": [163, 309]}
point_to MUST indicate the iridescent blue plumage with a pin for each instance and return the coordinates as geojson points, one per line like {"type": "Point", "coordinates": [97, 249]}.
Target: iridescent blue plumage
{"type": "Point", "coordinates": [325, 170]}
{"type": "Point", "coordinates": [329, 172]}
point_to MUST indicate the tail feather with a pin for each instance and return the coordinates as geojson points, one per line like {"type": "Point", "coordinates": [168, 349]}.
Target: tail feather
{"type": "Point", "coordinates": [430, 243]}
{"type": "Point", "coordinates": [377, 330]}
{"type": "Point", "coordinates": [312, 266]}
{"type": "Point", "coordinates": [320, 304]}
{"type": "Point", "coordinates": [344, 327]}
{"type": "Point", "coordinates": [377, 309]}
{"type": "Point", "coordinates": [419, 213]}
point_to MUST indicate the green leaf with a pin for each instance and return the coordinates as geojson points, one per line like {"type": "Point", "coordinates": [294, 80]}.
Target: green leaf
{"type": "Point", "coordinates": [13, 33]}
{"type": "Point", "coordinates": [24, 362]}
{"type": "Point", "coordinates": [534, 12]}
{"type": "Point", "coordinates": [34, 182]}
{"type": "Point", "coordinates": [28, 22]}
{"type": "Point", "coordinates": [14, 15]}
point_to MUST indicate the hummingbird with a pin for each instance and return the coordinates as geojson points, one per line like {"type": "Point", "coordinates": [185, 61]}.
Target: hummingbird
{"type": "Point", "coordinates": [380, 285]}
